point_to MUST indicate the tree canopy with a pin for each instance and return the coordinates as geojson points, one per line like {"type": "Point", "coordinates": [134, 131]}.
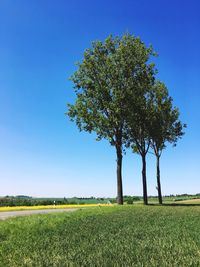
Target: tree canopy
{"type": "Point", "coordinates": [112, 74]}
{"type": "Point", "coordinates": [119, 98]}
{"type": "Point", "coordinates": [166, 126]}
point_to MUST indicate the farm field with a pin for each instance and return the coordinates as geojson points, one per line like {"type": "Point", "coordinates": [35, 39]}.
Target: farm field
{"type": "Point", "coordinates": [189, 201]}
{"type": "Point", "coordinates": [66, 206]}
{"type": "Point", "coordinates": [132, 235]}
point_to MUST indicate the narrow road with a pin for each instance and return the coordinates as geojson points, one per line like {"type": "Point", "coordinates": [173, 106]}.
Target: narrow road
{"type": "Point", "coordinates": [7, 214]}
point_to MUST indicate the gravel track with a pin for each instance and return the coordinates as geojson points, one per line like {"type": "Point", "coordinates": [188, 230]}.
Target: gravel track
{"type": "Point", "coordinates": [7, 214]}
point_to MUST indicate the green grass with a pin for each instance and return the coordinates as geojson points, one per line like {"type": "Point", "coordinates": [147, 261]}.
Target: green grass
{"type": "Point", "coordinates": [109, 236]}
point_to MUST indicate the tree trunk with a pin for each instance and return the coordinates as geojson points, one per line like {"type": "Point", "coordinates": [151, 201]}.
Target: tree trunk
{"type": "Point", "coordinates": [119, 176]}
{"type": "Point", "coordinates": [158, 180]}
{"type": "Point", "coordinates": [144, 180]}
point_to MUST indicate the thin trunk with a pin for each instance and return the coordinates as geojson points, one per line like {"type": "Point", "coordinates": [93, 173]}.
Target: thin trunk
{"type": "Point", "coordinates": [144, 180]}
{"type": "Point", "coordinates": [158, 180]}
{"type": "Point", "coordinates": [119, 176]}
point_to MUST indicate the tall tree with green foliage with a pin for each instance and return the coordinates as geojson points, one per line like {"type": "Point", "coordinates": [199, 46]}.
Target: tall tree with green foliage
{"type": "Point", "coordinates": [165, 126]}
{"type": "Point", "coordinates": [111, 74]}
{"type": "Point", "coordinates": [139, 129]}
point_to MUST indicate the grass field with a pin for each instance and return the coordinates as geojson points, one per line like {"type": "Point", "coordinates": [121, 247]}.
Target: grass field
{"type": "Point", "coordinates": [104, 236]}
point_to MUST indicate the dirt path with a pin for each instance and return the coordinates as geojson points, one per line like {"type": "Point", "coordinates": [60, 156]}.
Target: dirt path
{"type": "Point", "coordinates": [7, 214]}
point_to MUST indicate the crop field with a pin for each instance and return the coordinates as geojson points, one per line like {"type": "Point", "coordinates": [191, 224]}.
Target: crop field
{"type": "Point", "coordinates": [190, 201]}
{"type": "Point", "coordinates": [67, 206]}
{"type": "Point", "coordinates": [104, 236]}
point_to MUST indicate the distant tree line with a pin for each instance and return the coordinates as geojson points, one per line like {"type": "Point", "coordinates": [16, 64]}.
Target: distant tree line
{"type": "Point", "coordinates": [13, 201]}
{"type": "Point", "coordinates": [119, 98]}
{"type": "Point", "coordinates": [29, 201]}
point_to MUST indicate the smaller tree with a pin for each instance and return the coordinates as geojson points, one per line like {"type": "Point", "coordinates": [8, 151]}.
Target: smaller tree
{"type": "Point", "coordinates": [138, 131]}
{"type": "Point", "coordinates": [165, 126]}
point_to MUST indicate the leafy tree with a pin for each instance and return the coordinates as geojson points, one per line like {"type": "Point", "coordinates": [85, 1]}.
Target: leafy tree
{"type": "Point", "coordinates": [139, 129]}
{"type": "Point", "coordinates": [111, 73]}
{"type": "Point", "coordinates": [166, 126]}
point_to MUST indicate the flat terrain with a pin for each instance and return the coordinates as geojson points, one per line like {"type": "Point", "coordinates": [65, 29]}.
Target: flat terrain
{"type": "Point", "coordinates": [7, 214]}
{"type": "Point", "coordinates": [104, 236]}
{"type": "Point", "coordinates": [190, 201]}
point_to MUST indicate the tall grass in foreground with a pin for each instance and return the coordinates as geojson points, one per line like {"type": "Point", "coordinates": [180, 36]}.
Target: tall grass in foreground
{"type": "Point", "coordinates": [116, 236]}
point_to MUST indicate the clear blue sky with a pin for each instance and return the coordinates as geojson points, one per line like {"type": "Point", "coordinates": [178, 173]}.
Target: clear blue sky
{"type": "Point", "coordinates": [41, 152]}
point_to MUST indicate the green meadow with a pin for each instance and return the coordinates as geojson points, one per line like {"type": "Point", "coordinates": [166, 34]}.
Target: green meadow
{"type": "Point", "coordinates": [132, 235]}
